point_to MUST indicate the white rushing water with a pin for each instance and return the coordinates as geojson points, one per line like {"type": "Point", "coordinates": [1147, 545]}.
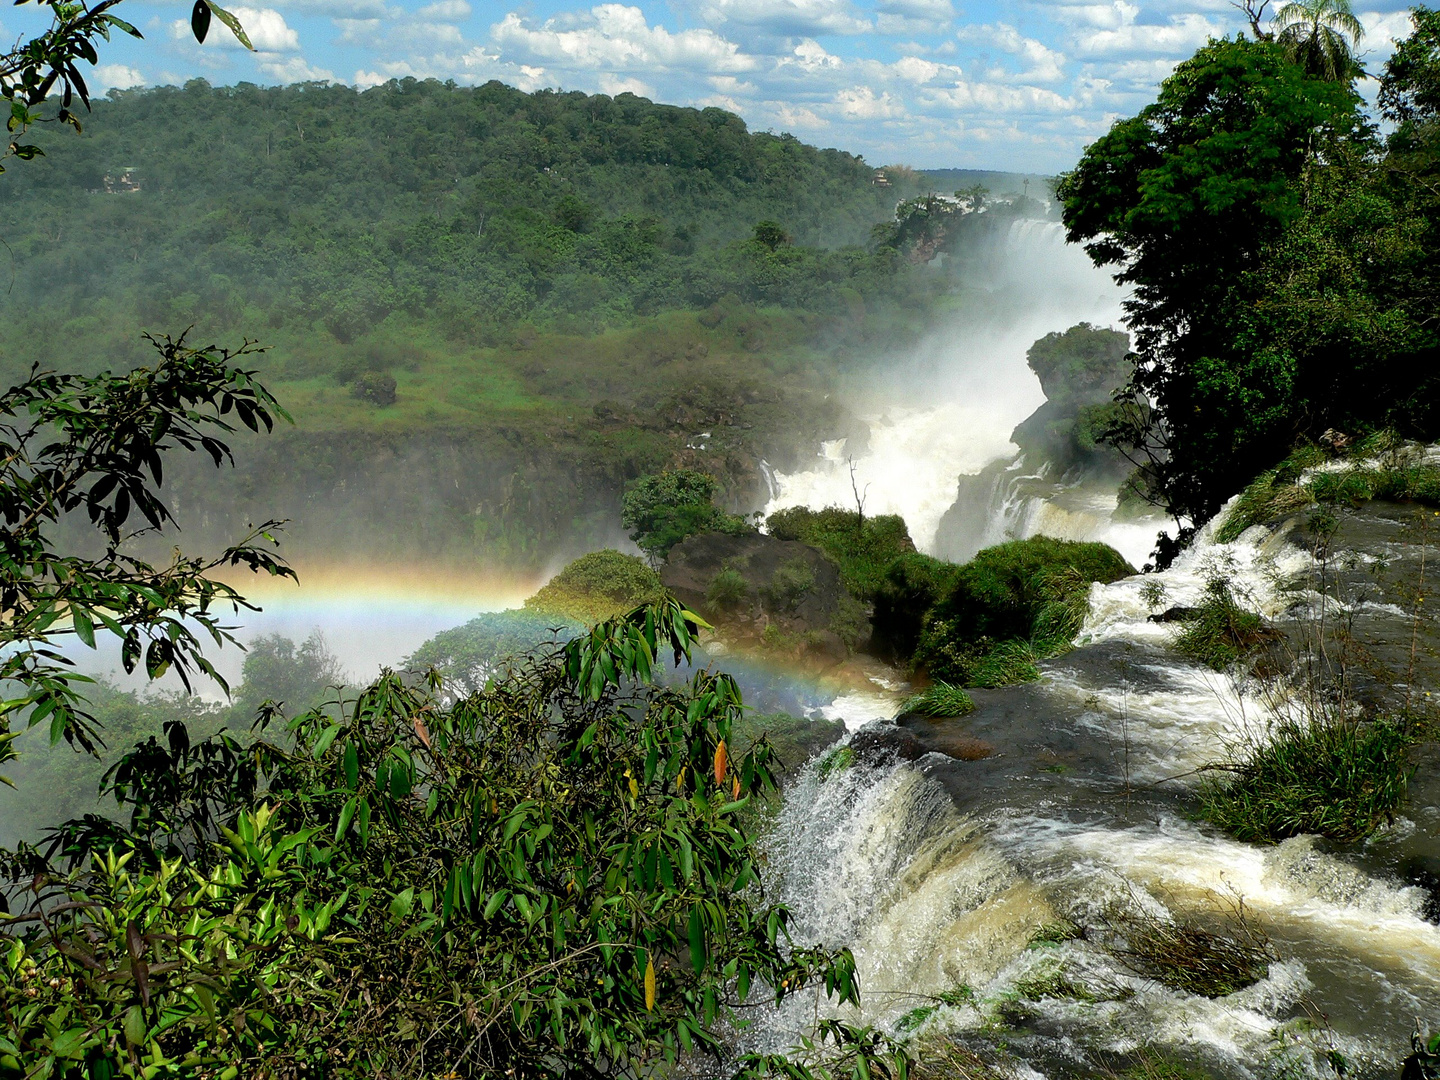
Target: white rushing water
{"type": "Point", "coordinates": [966, 387]}
{"type": "Point", "coordinates": [932, 898]}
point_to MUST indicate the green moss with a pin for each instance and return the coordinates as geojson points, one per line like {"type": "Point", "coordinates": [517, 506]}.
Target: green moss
{"type": "Point", "coordinates": [1334, 778]}
{"type": "Point", "coordinates": [597, 586]}
{"type": "Point", "coordinates": [864, 548]}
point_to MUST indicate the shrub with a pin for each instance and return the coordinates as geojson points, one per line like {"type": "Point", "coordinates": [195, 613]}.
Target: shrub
{"type": "Point", "coordinates": [597, 586]}
{"type": "Point", "coordinates": [727, 589]}
{"type": "Point", "coordinates": [938, 700]}
{"type": "Point", "coordinates": [789, 585]}
{"type": "Point", "coordinates": [1337, 779]}
{"type": "Point", "coordinates": [1221, 632]}
{"type": "Point", "coordinates": [912, 585]}
{"type": "Point", "coordinates": [1001, 591]}
{"type": "Point", "coordinates": [864, 547]}
{"type": "Point", "coordinates": [663, 510]}
{"type": "Point", "coordinates": [376, 387]}
{"type": "Point", "coordinates": [1012, 606]}
{"type": "Point", "coordinates": [466, 656]}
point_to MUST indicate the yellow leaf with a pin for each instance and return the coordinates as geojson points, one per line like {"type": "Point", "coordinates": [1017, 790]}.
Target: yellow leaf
{"type": "Point", "coordinates": [722, 761]}
{"type": "Point", "coordinates": [680, 780]}
{"type": "Point", "coordinates": [735, 787]}
{"type": "Point", "coordinates": [634, 786]}
{"type": "Point", "coordinates": [649, 984]}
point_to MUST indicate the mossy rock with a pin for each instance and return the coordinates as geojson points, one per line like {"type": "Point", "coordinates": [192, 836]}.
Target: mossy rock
{"type": "Point", "coordinates": [597, 586]}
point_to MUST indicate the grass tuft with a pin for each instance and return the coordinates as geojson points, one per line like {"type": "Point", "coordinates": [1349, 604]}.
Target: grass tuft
{"type": "Point", "coordinates": [937, 701]}
{"type": "Point", "coordinates": [1222, 631]}
{"type": "Point", "coordinates": [1190, 958]}
{"type": "Point", "coordinates": [1338, 779]}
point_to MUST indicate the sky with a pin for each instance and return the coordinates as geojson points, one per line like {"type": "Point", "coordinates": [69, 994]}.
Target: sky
{"type": "Point", "coordinates": [1018, 85]}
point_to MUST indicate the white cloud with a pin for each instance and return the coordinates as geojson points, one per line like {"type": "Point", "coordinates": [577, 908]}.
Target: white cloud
{"type": "Point", "coordinates": [618, 37]}
{"type": "Point", "coordinates": [811, 56]}
{"type": "Point", "coordinates": [1110, 16]}
{"type": "Point", "coordinates": [340, 9]}
{"type": "Point", "coordinates": [115, 77]}
{"type": "Point", "coordinates": [613, 85]}
{"type": "Point", "coordinates": [1382, 30]}
{"type": "Point", "coordinates": [790, 18]}
{"type": "Point", "coordinates": [1182, 34]}
{"type": "Point", "coordinates": [913, 69]}
{"type": "Point", "coordinates": [291, 69]}
{"type": "Point", "coordinates": [1043, 64]}
{"type": "Point", "coordinates": [918, 9]}
{"type": "Point", "coordinates": [446, 11]}
{"type": "Point", "coordinates": [862, 103]}
{"type": "Point", "coordinates": [265, 27]}
{"type": "Point", "coordinates": [995, 97]}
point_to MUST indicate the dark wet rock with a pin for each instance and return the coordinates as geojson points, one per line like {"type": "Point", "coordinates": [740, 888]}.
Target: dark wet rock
{"type": "Point", "coordinates": [1178, 613]}
{"type": "Point", "coordinates": [881, 744]}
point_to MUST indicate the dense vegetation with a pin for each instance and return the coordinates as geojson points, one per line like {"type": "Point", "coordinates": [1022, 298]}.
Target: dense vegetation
{"type": "Point", "coordinates": [1282, 256]}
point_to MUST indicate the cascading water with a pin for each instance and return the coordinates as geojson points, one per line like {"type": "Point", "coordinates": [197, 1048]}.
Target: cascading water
{"type": "Point", "coordinates": [940, 873]}
{"type": "Point", "coordinates": [968, 386]}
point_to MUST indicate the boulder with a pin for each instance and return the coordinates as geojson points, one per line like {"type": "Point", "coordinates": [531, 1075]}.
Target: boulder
{"type": "Point", "coordinates": [751, 582]}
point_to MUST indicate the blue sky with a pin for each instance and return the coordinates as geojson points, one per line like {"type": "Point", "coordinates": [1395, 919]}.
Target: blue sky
{"type": "Point", "coordinates": [930, 83]}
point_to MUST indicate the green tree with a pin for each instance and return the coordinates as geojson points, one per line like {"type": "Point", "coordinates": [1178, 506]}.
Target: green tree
{"type": "Point", "coordinates": [279, 671]}
{"type": "Point", "coordinates": [663, 510]}
{"type": "Point", "coordinates": [91, 449]}
{"type": "Point", "coordinates": [1187, 199]}
{"type": "Point", "coordinates": [1319, 35]}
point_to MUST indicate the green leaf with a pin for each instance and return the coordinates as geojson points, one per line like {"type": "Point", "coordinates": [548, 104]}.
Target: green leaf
{"type": "Point", "coordinates": [200, 20]}
{"type": "Point", "coordinates": [239, 32]}
{"type": "Point", "coordinates": [697, 939]}
{"type": "Point", "coordinates": [323, 742]}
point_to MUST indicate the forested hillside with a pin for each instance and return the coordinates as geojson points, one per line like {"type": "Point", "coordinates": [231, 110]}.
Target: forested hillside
{"type": "Point", "coordinates": [321, 208]}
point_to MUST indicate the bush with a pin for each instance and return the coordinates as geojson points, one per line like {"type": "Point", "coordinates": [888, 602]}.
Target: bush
{"type": "Point", "coordinates": [597, 586]}
{"type": "Point", "coordinates": [1010, 607]}
{"type": "Point", "coordinates": [1335, 778]}
{"type": "Point", "coordinates": [789, 585]}
{"type": "Point", "coordinates": [864, 548]}
{"type": "Point", "coordinates": [1001, 592]}
{"type": "Point", "coordinates": [727, 590]}
{"type": "Point", "coordinates": [663, 510]}
{"type": "Point", "coordinates": [913, 584]}
{"type": "Point", "coordinates": [376, 387]}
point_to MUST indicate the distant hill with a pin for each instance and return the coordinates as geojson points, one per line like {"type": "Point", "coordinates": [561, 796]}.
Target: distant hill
{"type": "Point", "coordinates": [323, 206]}
{"type": "Point", "coordinates": [999, 183]}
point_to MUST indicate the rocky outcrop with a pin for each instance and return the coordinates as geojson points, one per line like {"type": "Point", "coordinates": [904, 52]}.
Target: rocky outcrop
{"type": "Point", "coordinates": [782, 593]}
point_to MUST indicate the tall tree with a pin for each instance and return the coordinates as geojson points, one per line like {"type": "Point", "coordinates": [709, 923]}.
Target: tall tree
{"type": "Point", "coordinates": [1186, 199]}
{"type": "Point", "coordinates": [1319, 35]}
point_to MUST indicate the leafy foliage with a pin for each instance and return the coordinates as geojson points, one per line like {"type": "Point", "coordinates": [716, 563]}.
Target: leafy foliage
{"type": "Point", "coordinates": [663, 510]}
{"type": "Point", "coordinates": [546, 874]}
{"type": "Point", "coordinates": [74, 447]}
{"type": "Point", "coordinates": [1320, 36]}
{"type": "Point", "coordinates": [865, 547]}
